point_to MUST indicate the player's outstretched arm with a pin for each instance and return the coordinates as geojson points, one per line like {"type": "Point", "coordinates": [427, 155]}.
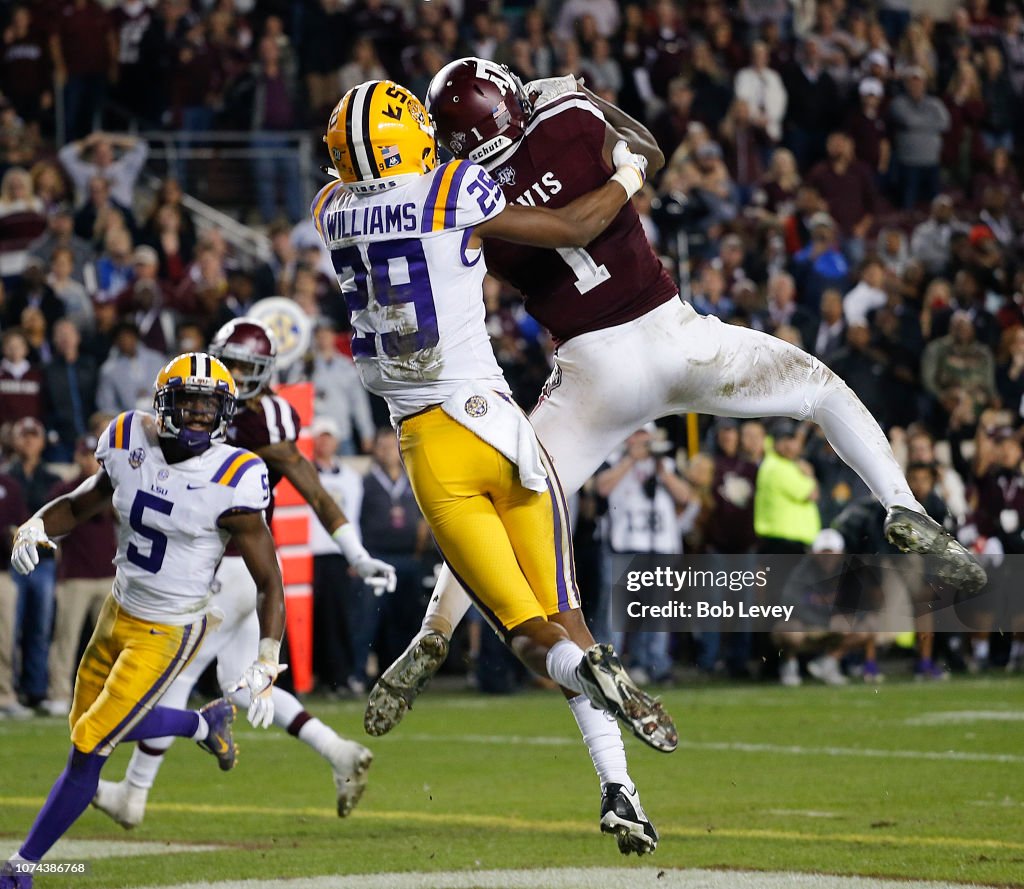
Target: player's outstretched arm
{"type": "Point", "coordinates": [576, 224]}
{"type": "Point", "coordinates": [622, 126]}
{"type": "Point", "coordinates": [285, 458]}
{"type": "Point", "coordinates": [60, 517]}
{"type": "Point", "coordinates": [250, 534]}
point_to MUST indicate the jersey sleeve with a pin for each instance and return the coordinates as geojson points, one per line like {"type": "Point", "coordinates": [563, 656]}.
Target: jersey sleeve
{"type": "Point", "coordinates": [574, 119]}
{"type": "Point", "coordinates": [252, 489]}
{"type": "Point", "coordinates": [320, 204]}
{"type": "Point", "coordinates": [117, 440]}
{"type": "Point", "coordinates": [463, 195]}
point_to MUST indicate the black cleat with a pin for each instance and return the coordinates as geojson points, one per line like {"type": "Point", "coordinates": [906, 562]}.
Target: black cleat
{"type": "Point", "coordinates": [623, 816]}
{"type": "Point", "coordinates": [609, 687]}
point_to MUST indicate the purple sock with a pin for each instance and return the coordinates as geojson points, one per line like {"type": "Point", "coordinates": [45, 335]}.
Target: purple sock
{"type": "Point", "coordinates": [163, 722]}
{"type": "Point", "coordinates": [68, 798]}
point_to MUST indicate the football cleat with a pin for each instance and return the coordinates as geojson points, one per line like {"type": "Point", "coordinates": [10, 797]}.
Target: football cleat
{"type": "Point", "coordinates": [607, 684]}
{"type": "Point", "coordinates": [219, 715]}
{"type": "Point", "coordinates": [914, 532]}
{"type": "Point", "coordinates": [350, 762]}
{"type": "Point", "coordinates": [401, 683]}
{"type": "Point", "coordinates": [11, 879]}
{"type": "Point", "coordinates": [123, 802]}
{"type": "Point", "coordinates": [623, 816]}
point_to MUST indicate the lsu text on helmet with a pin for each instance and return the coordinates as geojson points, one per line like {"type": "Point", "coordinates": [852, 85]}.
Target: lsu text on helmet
{"type": "Point", "coordinates": [479, 108]}
{"type": "Point", "coordinates": [248, 348]}
{"type": "Point", "coordinates": [379, 130]}
{"type": "Point", "coordinates": [194, 389]}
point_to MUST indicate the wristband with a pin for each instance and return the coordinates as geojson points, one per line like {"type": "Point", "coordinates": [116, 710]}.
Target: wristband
{"type": "Point", "coordinates": [269, 651]}
{"type": "Point", "coordinates": [629, 178]}
{"type": "Point", "coordinates": [348, 542]}
{"type": "Point", "coordinates": [34, 523]}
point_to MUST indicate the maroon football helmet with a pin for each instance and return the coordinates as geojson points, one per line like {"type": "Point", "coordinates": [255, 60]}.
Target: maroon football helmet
{"type": "Point", "coordinates": [247, 348]}
{"type": "Point", "coordinates": [479, 108]}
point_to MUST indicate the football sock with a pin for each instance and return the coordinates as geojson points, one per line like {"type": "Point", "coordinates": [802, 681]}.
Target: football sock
{"type": "Point", "coordinates": [448, 605]}
{"type": "Point", "coordinates": [286, 707]}
{"type": "Point", "coordinates": [314, 733]}
{"type": "Point", "coordinates": [859, 441]}
{"type": "Point", "coordinates": [601, 734]}
{"type": "Point", "coordinates": [144, 765]}
{"type": "Point", "coordinates": [68, 798]}
{"type": "Point", "coordinates": [563, 663]}
{"type": "Point", "coordinates": [162, 722]}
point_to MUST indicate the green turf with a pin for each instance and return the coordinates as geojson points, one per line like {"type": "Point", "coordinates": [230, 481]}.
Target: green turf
{"type": "Point", "coordinates": [479, 782]}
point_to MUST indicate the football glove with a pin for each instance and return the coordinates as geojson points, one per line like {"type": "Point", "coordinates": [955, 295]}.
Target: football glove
{"type": "Point", "coordinates": [24, 553]}
{"type": "Point", "coordinates": [630, 168]}
{"type": "Point", "coordinates": [544, 89]}
{"type": "Point", "coordinates": [379, 576]}
{"type": "Point", "coordinates": [258, 680]}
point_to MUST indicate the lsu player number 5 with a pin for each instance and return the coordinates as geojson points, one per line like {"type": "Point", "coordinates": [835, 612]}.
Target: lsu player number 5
{"type": "Point", "coordinates": [405, 237]}
{"type": "Point", "coordinates": [181, 494]}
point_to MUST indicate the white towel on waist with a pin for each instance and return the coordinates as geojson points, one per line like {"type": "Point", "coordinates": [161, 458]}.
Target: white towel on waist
{"type": "Point", "coordinates": [500, 423]}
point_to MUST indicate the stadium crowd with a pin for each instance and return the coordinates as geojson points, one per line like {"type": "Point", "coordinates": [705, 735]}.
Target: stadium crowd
{"type": "Point", "coordinates": [841, 174]}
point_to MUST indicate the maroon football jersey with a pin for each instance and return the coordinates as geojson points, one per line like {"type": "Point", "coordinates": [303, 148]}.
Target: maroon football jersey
{"type": "Point", "coordinates": [617, 277]}
{"type": "Point", "coordinates": [270, 420]}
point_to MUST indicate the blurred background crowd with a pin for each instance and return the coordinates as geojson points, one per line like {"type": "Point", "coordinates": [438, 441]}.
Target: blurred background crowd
{"type": "Point", "coordinates": [840, 174]}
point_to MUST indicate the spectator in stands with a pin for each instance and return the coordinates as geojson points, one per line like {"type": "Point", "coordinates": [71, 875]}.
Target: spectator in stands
{"type": "Point", "coordinates": [60, 233]}
{"type": "Point", "coordinates": [49, 185]}
{"type": "Point", "coordinates": [126, 377]}
{"type": "Point", "coordinates": [12, 513]}
{"type": "Point", "coordinates": [1000, 101]}
{"type": "Point", "coordinates": [26, 72]}
{"type": "Point", "coordinates": [72, 293]}
{"type": "Point", "coordinates": [84, 578]}
{"type": "Point", "coordinates": [864, 367]}
{"type": "Point", "coordinates": [762, 89]}
{"type": "Point", "coordinates": [745, 146]}
{"type": "Point", "coordinates": [786, 515]}
{"type": "Point", "coordinates": [35, 590]}
{"type": "Point", "coordinates": [709, 292]}
{"type": "Point", "coordinates": [813, 106]}
{"type": "Point", "coordinates": [816, 625]}
{"type": "Point", "coordinates": [868, 295]}
{"type": "Point", "coordinates": [605, 15]}
{"type": "Point", "coordinates": [70, 386]}
{"type": "Point", "coordinates": [392, 529]}
{"type": "Point", "coordinates": [19, 142]}
{"type": "Point", "coordinates": [21, 384]}
{"type": "Point", "coordinates": [848, 188]}
{"type": "Point", "coordinates": [781, 182]}
{"type": "Point", "coordinates": [916, 49]}
{"type": "Point", "coordinates": [1010, 370]}
{"type": "Point", "coordinates": [671, 124]}
{"type": "Point", "coordinates": [145, 301]}
{"type": "Point", "coordinates": [868, 129]}
{"type": "Point", "coordinates": [650, 508]}
{"type": "Point", "coordinates": [729, 530]}
{"type": "Point", "coordinates": [820, 265]}
{"type": "Point", "coordinates": [931, 239]}
{"type": "Point", "coordinates": [83, 47]}
{"type": "Point", "coordinates": [364, 65]}
{"type": "Point", "coordinates": [333, 587]}
{"type": "Point", "coordinates": [338, 397]}
{"type": "Point", "coordinates": [752, 441]}
{"type": "Point", "coordinates": [782, 309]}
{"type": "Point", "coordinates": [100, 214]}
{"type": "Point", "coordinates": [828, 336]}
{"type": "Point", "coordinates": [962, 148]}
{"type": "Point", "coordinates": [175, 247]}
{"type": "Point", "coordinates": [94, 157]}
{"type": "Point", "coordinates": [956, 368]}
{"type": "Point", "coordinates": [998, 173]}
{"type": "Point", "coordinates": [892, 250]}
{"type": "Point", "coordinates": [114, 270]}
{"type": "Point", "coordinates": [21, 212]}
{"type": "Point", "coordinates": [274, 109]}
{"type": "Point", "coordinates": [918, 121]}
{"type": "Point", "coordinates": [33, 324]}
{"type": "Point", "coordinates": [997, 498]}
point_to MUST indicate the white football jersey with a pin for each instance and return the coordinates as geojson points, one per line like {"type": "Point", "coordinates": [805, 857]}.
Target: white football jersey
{"type": "Point", "coordinates": [169, 543]}
{"type": "Point", "coordinates": [414, 289]}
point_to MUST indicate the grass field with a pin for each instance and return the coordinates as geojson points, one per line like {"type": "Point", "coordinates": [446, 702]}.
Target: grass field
{"type": "Point", "coordinates": [906, 781]}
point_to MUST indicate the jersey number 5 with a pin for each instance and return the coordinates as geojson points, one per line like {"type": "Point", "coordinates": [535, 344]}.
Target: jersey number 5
{"type": "Point", "coordinates": [157, 539]}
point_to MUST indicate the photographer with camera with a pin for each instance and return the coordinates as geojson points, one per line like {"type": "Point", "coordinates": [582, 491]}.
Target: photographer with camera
{"type": "Point", "coordinates": [650, 508]}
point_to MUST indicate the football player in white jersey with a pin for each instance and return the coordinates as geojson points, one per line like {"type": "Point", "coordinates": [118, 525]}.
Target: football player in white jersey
{"type": "Point", "coordinates": [181, 495]}
{"type": "Point", "coordinates": [404, 236]}
{"type": "Point", "coordinates": [267, 425]}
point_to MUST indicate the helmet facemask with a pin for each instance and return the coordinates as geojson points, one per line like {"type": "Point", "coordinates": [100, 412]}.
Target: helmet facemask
{"type": "Point", "coordinates": [180, 408]}
{"type": "Point", "coordinates": [250, 372]}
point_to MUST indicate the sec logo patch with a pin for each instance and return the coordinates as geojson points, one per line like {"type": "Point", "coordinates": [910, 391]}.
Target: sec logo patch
{"type": "Point", "coordinates": [476, 406]}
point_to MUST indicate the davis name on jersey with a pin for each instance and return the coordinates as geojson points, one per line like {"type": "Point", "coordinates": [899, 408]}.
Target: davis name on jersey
{"type": "Point", "coordinates": [411, 283]}
{"type": "Point", "coordinates": [573, 290]}
{"type": "Point", "coordinates": [169, 543]}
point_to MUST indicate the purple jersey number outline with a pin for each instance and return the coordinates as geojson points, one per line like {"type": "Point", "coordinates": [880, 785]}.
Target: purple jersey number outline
{"type": "Point", "coordinates": [416, 290]}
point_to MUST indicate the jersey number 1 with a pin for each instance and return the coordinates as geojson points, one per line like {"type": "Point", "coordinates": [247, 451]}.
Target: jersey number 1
{"type": "Point", "coordinates": [157, 539]}
{"type": "Point", "coordinates": [588, 273]}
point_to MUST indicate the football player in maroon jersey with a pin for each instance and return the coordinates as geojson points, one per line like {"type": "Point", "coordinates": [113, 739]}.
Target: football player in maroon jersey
{"type": "Point", "coordinates": [268, 426]}
{"type": "Point", "coordinates": [629, 350]}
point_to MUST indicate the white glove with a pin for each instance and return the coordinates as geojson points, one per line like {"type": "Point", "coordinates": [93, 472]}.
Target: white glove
{"type": "Point", "coordinates": [24, 556]}
{"type": "Point", "coordinates": [259, 680]}
{"type": "Point", "coordinates": [378, 575]}
{"type": "Point", "coordinates": [630, 168]}
{"type": "Point", "coordinates": [544, 89]}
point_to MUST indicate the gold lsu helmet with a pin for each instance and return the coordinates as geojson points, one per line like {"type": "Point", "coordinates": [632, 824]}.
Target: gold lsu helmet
{"type": "Point", "coordinates": [379, 130]}
{"type": "Point", "coordinates": [200, 384]}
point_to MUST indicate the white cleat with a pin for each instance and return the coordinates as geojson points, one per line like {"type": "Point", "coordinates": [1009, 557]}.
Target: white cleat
{"type": "Point", "coordinates": [123, 802]}
{"type": "Point", "coordinates": [624, 817]}
{"type": "Point", "coordinates": [350, 762]}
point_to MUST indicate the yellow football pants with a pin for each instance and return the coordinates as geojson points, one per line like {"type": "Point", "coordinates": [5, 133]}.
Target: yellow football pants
{"type": "Point", "coordinates": [127, 666]}
{"type": "Point", "coordinates": [511, 548]}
